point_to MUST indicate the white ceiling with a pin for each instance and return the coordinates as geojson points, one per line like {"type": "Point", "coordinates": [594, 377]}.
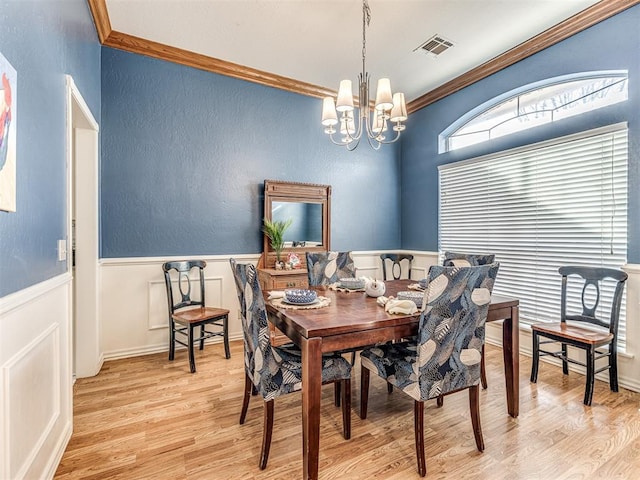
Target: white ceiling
{"type": "Point", "coordinates": [320, 41]}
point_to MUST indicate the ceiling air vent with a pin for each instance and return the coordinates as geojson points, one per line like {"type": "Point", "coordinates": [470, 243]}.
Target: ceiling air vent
{"type": "Point", "coordinates": [435, 45]}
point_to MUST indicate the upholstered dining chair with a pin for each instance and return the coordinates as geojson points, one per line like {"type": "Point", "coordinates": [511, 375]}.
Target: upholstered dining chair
{"type": "Point", "coordinates": [325, 268]}
{"type": "Point", "coordinates": [445, 356]}
{"type": "Point", "coordinates": [588, 327]}
{"type": "Point", "coordinates": [187, 312]}
{"type": "Point", "coordinates": [396, 261]}
{"type": "Point", "coordinates": [455, 259]}
{"type": "Point", "coordinates": [452, 259]}
{"type": "Point", "coordinates": [274, 371]}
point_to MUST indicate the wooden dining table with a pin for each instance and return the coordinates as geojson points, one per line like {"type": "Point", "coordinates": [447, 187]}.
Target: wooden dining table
{"type": "Point", "coordinates": [352, 320]}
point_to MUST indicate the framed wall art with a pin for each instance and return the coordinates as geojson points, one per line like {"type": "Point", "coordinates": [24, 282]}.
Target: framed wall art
{"type": "Point", "coordinates": [8, 124]}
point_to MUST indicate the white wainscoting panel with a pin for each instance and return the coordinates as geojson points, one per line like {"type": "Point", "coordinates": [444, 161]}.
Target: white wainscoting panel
{"type": "Point", "coordinates": [134, 307]}
{"type": "Point", "coordinates": [31, 417]}
{"type": "Point", "coordinates": [133, 303]}
{"type": "Point", "coordinates": [35, 375]}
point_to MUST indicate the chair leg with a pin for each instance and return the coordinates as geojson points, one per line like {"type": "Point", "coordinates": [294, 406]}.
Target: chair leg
{"type": "Point", "coordinates": [192, 358]}
{"type": "Point", "coordinates": [565, 363]}
{"type": "Point", "coordinates": [248, 390]}
{"type": "Point", "coordinates": [353, 358]}
{"type": "Point", "coordinates": [337, 388]}
{"type": "Point", "coordinates": [172, 339]}
{"type": "Point", "coordinates": [440, 400]}
{"type": "Point", "coordinates": [389, 388]}
{"type": "Point", "coordinates": [536, 356]}
{"type": "Point", "coordinates": [474, 406]}
{"type": "Point", "coordinates": [225, 331]}
{"type": "Point", "coordinates": [364, 391]}
{"type": "Point", "coordinates": [201, 337]}
{"type": "Point", "coordinates": [613, 367]}
{"type": "Point", "coordinates": [588, 391]}
{"type": "Point", "coordinates": [418, 420]}
{"type": "Point", "coordinates": [266, 437]}
{"type": "Point", "coordinates": [483, 371]}
{"type": "Point", "coordinates": [346, 408]}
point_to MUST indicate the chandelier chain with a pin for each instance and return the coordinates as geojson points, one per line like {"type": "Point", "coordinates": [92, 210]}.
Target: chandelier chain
{"type": "Point", "coordinates": [366, 20]}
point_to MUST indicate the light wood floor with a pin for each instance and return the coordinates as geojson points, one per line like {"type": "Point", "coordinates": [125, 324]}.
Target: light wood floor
{"type": "Point", "coordinates": [148, 418]}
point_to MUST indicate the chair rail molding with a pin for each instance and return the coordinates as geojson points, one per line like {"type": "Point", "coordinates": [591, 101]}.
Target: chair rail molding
{"type": "Point", "coordinates": [129, 334]}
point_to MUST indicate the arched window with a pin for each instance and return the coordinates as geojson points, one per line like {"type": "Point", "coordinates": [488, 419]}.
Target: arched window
{"type": "Point", "coordinates": [536, 104]}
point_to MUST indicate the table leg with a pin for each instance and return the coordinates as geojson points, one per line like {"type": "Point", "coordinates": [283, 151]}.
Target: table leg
{"type": "Point", "coordinates": [311, 391]}
{"type": "Point", "coordinates": [511, 353]}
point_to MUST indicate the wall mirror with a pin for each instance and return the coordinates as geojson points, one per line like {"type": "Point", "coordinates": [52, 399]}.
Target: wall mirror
{"type": "Point", "coordinates": [309, 208]}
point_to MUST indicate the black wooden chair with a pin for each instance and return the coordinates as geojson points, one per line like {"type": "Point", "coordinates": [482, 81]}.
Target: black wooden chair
{"type": "Point", "coordinates": [395, 261]}
{"type": "Point", "coordinates": [602, 331]}
{"type": "Point", "coordinates": [190, 313]}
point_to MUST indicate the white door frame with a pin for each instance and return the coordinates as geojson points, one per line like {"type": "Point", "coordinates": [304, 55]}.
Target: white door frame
{"type": "Point", "coordinates": [82, 207]}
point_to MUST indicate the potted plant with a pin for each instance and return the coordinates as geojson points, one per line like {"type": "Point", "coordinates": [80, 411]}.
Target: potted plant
{"type": "Point", "coordinates": [275, 233]}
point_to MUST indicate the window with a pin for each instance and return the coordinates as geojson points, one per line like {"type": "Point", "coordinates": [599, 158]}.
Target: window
{"type": "Point", "coordinates": [537, 208]}
{"type": "Point", "coordinates": [536, 104]}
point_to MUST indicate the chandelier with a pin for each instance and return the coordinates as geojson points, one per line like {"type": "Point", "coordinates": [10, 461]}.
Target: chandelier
{"type": "Point", "coordinates": [373, 124]}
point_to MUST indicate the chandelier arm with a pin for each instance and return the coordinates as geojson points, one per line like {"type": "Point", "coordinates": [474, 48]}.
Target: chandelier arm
{"type": "Point", "coordinates": [376, 145]}
{"type": "Point", "coordinates": [386, 142]}
{"type": "Point", "coordinates": [341, 144]}
{"type": "Point", "coordinates": [351, 146]}
{"type": "Point", "coordinates": [358, 131]}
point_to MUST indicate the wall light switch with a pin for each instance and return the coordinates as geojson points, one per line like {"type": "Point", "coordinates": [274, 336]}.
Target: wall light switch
{"type": "Point", "coordinates": [62, 250]}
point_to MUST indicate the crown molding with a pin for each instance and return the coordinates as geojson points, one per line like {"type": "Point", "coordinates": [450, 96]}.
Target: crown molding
{"type": "Point", "coordinates": [100, 18]}
{"type": "Point", "coordinates": [122, 41]}
{"type": "Point", "coordinates": [149, 48]}
{"type": "Point", "coordinates": [563, 30]}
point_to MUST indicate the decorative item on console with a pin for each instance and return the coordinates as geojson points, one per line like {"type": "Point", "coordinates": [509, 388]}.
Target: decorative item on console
{"type": "Point", "coordinates": [274, 230]}
{"type": "Point", "coordinates": [374, 287]}
{"type": "Point", "coordinates": [293, 261]}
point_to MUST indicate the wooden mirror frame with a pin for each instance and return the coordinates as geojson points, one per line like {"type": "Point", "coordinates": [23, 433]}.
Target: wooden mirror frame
{"type": "Point", "coordinates": [277, 191]}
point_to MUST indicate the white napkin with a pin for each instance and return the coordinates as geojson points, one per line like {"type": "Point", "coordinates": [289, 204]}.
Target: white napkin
{"type": "Point", "coordinates": [393, 305]}
{"type": "Point", "coordinates": [273, 294]}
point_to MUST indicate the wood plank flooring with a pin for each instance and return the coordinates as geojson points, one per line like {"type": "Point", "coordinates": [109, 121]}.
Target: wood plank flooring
{"type": "Point", "coordinates": [148, 418]}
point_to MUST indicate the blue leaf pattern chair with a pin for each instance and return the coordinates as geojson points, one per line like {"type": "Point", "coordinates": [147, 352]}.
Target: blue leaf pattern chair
{"type": "Point", "coordinates": [452, 259]}
{"type": "Point", "coordinates": [274, 371]}
{"type": "Point", "coordinates": [445, 357]}
{"type": "Point", "coordinates": [325, 268]}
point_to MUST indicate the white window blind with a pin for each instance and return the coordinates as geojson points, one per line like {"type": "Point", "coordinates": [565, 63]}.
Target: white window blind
{"type": "Point", "coordinates": [537, 208]}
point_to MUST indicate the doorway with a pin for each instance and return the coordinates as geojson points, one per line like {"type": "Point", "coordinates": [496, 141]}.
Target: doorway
{"type": "Point", "coordinates": [82, 233]}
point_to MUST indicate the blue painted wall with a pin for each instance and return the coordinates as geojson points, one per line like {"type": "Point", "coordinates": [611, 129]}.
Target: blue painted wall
{"type": "Point", "coordinates": [610, 45]}
{"type": "Point", "coordinates": [43, 40]}
{"type": "Point", "coordinates": [185, 154]}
